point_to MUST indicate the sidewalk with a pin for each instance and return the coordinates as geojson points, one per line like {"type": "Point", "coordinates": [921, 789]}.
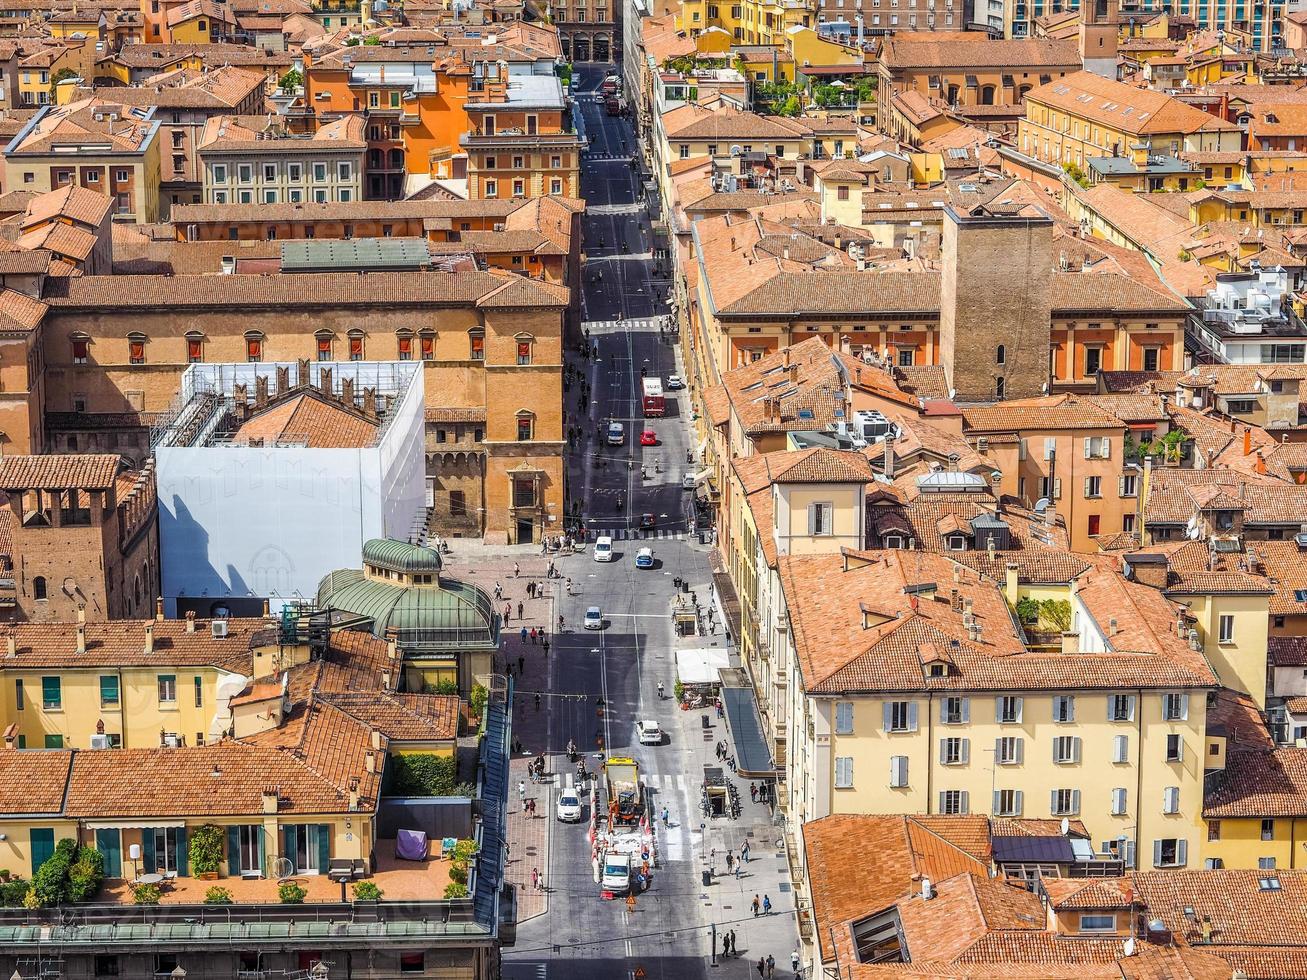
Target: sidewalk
{"type": "Point", "coordinates": [528, 837]}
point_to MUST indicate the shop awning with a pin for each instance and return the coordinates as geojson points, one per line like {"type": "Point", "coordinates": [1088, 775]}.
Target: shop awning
{"type": "Point", "coordinates": [701, 665]}
{"type": "Point", "coordinates": [131, 824]}
{"type": "Point", "coordinates": [752, 758]}
{"type": "Point", "coordinates": [702, 475]}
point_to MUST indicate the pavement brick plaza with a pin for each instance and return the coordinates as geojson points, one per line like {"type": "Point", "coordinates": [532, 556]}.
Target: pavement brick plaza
{"type": "Point", "coordinates": [528, 837]}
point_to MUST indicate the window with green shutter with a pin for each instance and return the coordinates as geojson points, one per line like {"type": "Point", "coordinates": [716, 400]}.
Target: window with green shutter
{"type": "Point", "coordinates": [167, 688]}
{"type": "Point", "coordinates": [108, 690]}
{"type": "Point", "coordinates": [51, 693]}
{"type": "Point", "coordinates": [54, 741]}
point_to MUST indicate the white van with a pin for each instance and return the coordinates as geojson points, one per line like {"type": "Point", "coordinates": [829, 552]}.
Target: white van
{"type": "Point", "coordinates": [617, 873]}
{"type": "Point", "coordinates": [603, 549]}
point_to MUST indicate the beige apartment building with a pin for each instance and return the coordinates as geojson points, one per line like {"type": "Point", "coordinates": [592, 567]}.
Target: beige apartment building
{"type": "Point", "coordinates": [94, 143]}
{"type": "Point", "coordinates": [244, 160]}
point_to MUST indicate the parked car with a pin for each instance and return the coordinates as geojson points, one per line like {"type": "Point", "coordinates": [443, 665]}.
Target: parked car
{"type": "Point", "coordinates": [644, 558]}
{"type": "Point", "coordinates": [603, 550]}
{"type": "Point", "coordinates": [688, 482]}
{"type": "Point", "coordinates": [569, 806]}
{"type": "Point", "coordinates": [674, 382]}
{"type": "Point", "coordinates": [646, 522]}
{"type": "Point", "coordinates": [616, 433]}
{"type": "Point", "coordinates": [594, 618]}
{"type": "Point", "coordinates": [647, 732]}
{"type": "Point", "coordinates": [648, 438]}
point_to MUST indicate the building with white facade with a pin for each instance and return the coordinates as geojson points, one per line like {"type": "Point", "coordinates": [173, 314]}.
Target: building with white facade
{"type": "Point", "coordinates": [272, 475]}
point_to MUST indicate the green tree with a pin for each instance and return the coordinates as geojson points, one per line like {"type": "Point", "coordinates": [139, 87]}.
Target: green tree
{"type": "Point", "coordinates": [372, 40]}
{"type": "Point", "coordinates": [217, 895]}
{"type": "Point", "coordinates": [1073, 170]}
{"type": "Point", "coordinates": [289, 893]}
{"type": "Point", "coordinates": [290, 81]}
{"type": "Point", "coordinates": [58, 77]}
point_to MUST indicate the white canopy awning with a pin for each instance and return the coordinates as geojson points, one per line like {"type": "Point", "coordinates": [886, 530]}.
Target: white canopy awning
{"type": "Point", "coordinates": [131, 824]}
{"type": "Point", "coordinates": [701, 665]}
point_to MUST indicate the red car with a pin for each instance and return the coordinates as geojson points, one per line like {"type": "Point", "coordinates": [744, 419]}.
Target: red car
{"type": "Point", "coordinates": [648, 438]}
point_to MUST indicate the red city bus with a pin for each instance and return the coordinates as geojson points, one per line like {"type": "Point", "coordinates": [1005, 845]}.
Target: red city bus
{"type": "Point", "coordinates": [655, 406]}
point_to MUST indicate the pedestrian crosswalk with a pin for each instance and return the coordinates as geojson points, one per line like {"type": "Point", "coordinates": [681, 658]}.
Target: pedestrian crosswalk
{"type": "Point", "coordinates": [593, 157]}
{"type": "Point", "coordinates": [675, 792]}
{"type": "Point", "coordinates": [634, 534]}
{"type": "Point", "coordinates": [635, 324]}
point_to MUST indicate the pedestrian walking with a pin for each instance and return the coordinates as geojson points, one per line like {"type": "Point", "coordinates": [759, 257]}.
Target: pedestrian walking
{"type": "Point", "coordinates": [516, 570]}
{"type": "Point", "coordinates": [530, 590]}
{"type": "Point", "coordinates": [771, 966]}
{"type": "Point", "coordinates": [726, 945]}
{"type": "Point", "coordinates": [521, 790]}
{"type": "Point", "coordinates": [730, 862]}
{"type": "Point", "coordinates": [523, 634]}
{"type": "Point", "coordinates": [734, 951]}
{"type": "Point", "coordinates": [533, 635]}
{"type": "Point", "coordinates": [766, 905]}
{"type": "Point", "coordinates": [753, 792]}
{"type": "Point", "coordinates": [520, 607]}
{"type": "Point", "coordinates": [762, 967]}
{"type": "Point", "coordinates": [755, 905]}
{"type": "Point", "coordinates": [521, 664]}
{"type": "Point", "coordinates": [535, 877]}
{"type": "Point", "coordinates": [661, 695]}
{"type": "Point", "coordinates": [544, 641]}
{"type": "Point", "coordinates": [508, 608]}
{"type": "Point", "coordinates": [499, 592]}
{"type": "Point", "coordinates": [794, 961]}
{"type": "Point", "coordinates": [665, 823]}
{"type": "Point", "coordinates": [542, 882]}
{"type": "Point", "coordinates": [739, 865]}
{"type": "Point", "coordinates": [537, 701]}
{"type": "Point", "coordinates": [744, 851]}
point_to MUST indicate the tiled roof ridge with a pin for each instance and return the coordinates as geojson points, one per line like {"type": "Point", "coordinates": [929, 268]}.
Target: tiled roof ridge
{"type": "Point", "coordinates": [301, 754]}
{"type": "Point", "coordinates": [948, 843]}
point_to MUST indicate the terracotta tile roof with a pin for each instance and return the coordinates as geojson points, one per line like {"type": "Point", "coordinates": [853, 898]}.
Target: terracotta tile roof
{"type": "Point", "coordinates": [1102, 100]}
{"type": "Point", "coordinates": [869, 863]}
{"type": "Point", "coordinates": [327, 289]}
{"type": "Point", "coordinates": [308, 419]}
{"type": "Point", "coordinates": [78, 204]}
{"type": "Point", "coordinates": [347, 211]}
{"type": "Point", "coordinates": [821, 465]}
{"type": "Point", "coordinates": [964, 909]}
{"type": "Point", "coordinates": [1036, 567]}
{"type": "Point", "coordinates": [76, 122]}
{"type": "Point", "coordinates": [1260, 784]}
{"type": "Point", "coordinates": [923, 380]}
{"type": "Point", "coordinates": [64, 240]}
{"type": "Point", "coordinates": [1266, 501]}
{"type": "Point", "coordinates": [1066, 894]}
{"type": "Point", "coordinates": [19, 312]}
{"type": "Point", "coordinates": [33, 782]}
{"type": "Point", "coordinates": [219, 780]}
{"type": "Point", "coordinates": [728, 125]}
{"type": "Point", "coordinates": [89, 471]}
{"type": "Point", "coordinates": [1287, 651]}
{"type": "Point", "coordinates": [122, 643]}
{"type": "Point", "coordinates": [1241, 913]}
{"type": "Point", "coordinates": [1264, 963]}
{"type": "Point", "coordinates": [1041, 948]}
{"type": "Point", "coordinates": [945, 52]}
{"type": "Point", "coordinates": [769, 397]}
{"type": "Point", "coordinates": [402, 717]}
{"type": "Point", "coordinates": [1053, 412]}
{"type": "Point", "coordinates": [1034, 827]}
{"type": "Point", "coordinates": [856, 629]}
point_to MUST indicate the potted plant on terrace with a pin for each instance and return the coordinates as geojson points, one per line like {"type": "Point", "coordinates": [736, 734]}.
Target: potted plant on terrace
{"type": "Point", "coordinates": [206, 852]}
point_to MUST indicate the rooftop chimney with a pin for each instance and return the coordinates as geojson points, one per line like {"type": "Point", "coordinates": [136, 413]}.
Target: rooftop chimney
{"type": "Point", "coordinates": [149, 638]}
{"type": "Point", "coordinates": [270, 800]}
{"type": "Point", "coordinates": [1247, 441]}
{"type": "Point", "coordinates": [370, 762]}
{"type": "Point", "coordinates": [158, 608]}
{"type": "Point", "coordinates": [1011, 583]}
{"type": "Point", "coordinates": [353, 794]}
{"type": "Point", "coordinates": [190, 621]}
{"type": "Point", "coordinates": [376, 740]}
{"type": "Point", "coordinates": [81, 637]}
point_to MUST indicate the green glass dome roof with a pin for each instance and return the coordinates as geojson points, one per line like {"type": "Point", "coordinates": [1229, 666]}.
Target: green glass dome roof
{"type": "Point", "coordinates": [399, 556]}
{"type": "Point", "coordinates": [450, 615]}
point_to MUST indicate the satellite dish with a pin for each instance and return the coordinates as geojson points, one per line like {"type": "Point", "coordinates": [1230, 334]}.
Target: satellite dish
{"type": "Point", "coordinates": [1066, 826]}
{"type": "Point", "coordinates": [736, 149]}
{"type": "Point", "coordinates": [1041, 505]}
{"type": "Point", "coordinates": [1129, 947]}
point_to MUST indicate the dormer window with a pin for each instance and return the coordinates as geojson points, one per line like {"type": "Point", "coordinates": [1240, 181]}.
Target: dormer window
{"type": "Point", "coordinates": [893, 542]}
{"type": "Point", "coordinates": [956, 542]}
{"type": "Point", "coordinates": [937, 670]}
{"type": "Point", "coordinates": [1224, 520]}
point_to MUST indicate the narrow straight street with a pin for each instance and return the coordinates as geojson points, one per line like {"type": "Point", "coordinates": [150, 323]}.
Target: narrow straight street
{"type": "Point", "coordinates": [618, 669]}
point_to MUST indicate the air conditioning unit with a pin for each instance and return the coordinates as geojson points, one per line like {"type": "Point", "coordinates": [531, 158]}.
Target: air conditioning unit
{"type": "Point", "coordinates": [99, 741]}
{"type": "Point", "coordinates": [218, 628]}
{"type": "Point", "coordinates": [982, 444]}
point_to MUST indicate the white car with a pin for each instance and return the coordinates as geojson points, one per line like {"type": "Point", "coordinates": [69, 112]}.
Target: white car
{"type": "Point", "coordinates": [674, 382]}
{"type": "Point", "coordinates": [644, 558]}
{"type": "Point", "coordinates": [616, 433]}
{"type": "Point", "coordinates": [594, 618]}
{"type": "Point", "coordinates": [688, 482]}
{"type": "Point", "coordinates": [569, 806]}
{"type": "Point", "coordinates": [603, 549]}
{"type": "Point", "coordinates": [617, 873]}
{"type": "Point", "coordinates": [647, 732]}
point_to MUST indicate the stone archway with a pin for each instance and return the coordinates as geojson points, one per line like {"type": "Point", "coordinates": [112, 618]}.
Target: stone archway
{"type": "Point", "coordinates": [602, 48]}
{"type": "Point", "coordinates": [580, 48]}
{"type": "Point", "coordinates": [565, 42]}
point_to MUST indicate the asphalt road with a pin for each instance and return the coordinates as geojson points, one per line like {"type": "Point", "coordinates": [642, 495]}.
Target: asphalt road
{"type": "Point", "coordinates": [667, 936]}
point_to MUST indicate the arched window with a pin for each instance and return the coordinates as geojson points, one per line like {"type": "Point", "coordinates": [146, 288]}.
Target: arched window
{"type": "Point", "coordinates": [81, 347]}
{"type": "Point", "coordinates": [38, 588]}
{"type": "Point", "coordinates": [477, 344]}
{"type": "Point", "coordinates": [1000, 388]}
{"type": "Point", "coordinates": [1000, 355]}
{"type": "Point", "coordinates": [404, 344]}
{"type": "Point", "coordinates": [194, 347]}
{"type": "Point", "coordinates": [428, 345]}
{"type": "Point", "coordinates": [323, 340]}
{"type": "Point", "coordinates": [136, 592]}
{"type": "Point", "coordinates": [987, 95]}
{"type": "Point", "coordinates": [525, 426]}
{"type": "Point", "coordinates": [136, 347]}
{"type": "Point", "coordinates": [524, 344]}
{"type": "Point", "coordinates": [356, 345]}
{"type": "Point", "coordinates": [254, 346]}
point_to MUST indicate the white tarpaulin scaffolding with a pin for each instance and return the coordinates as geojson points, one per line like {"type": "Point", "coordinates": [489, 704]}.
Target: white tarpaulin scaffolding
{"type": "Point", "coordinates": [700, 665]}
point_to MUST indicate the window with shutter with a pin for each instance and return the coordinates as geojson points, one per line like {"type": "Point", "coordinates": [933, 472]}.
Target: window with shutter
{"type": "Point", "coordinates": [428, 347]}
{"type": "Point", "coordinates": [356, 348]}
{"type": "Point", "coordinates": [1171, 799]}
{"type": "Point", "coordinates": [137, 351]}
{"type": "Point", "coordinates": [1009, 710]}
{"type": "Point", "coordinates": [1064, 708]}
{"type": "Point", "coordinates": [843, 772]}
{"type": "Point", "coordinates": [254, 349]}
{"type": "Point", "coordinates": [81, 351]}
{"type": "Point", "coordinates": [405, 348]}
{"type": "Point", "coordinates": [898, 771]}
{"type": "Point", "coordinates": [844, 718]}
{"type": "Point", "coordinates": [194, 351]}
{"type": "Point", "coordinates": [1121, 748]}
{"type": "Point", "coordinates": [1118, 801]}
